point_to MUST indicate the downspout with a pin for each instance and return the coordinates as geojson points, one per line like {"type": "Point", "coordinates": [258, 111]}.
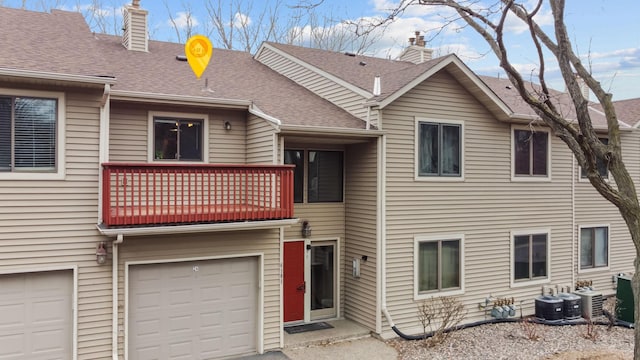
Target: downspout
{"type": "Point", "coordinates": [114, 295]}
{"type": "Point", "coordinates": [574, 249]}
{"type": "Point", "coordinates": [383, 228]}
{"type": "Point", "coordinates": [103, 147]}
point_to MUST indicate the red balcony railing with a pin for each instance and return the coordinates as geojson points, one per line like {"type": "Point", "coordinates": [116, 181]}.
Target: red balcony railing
{"type": "Point", "coordinates": [146, 194]}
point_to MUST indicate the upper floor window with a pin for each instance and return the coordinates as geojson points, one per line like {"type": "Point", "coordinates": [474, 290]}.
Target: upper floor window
{"type": "Point", "coordinates": [601, 165]}
{"type": "Point", "coordinates": [530, 256]}
{"type": "Point", "coordinates": [531, 153]}
{"type": "Point", "coordinates": [296, 157]}
{"type": "Point", "coordinates": [440, 149]}
{"type": "Point", "coordinates": [438, 264]}
{"type": "Point", "coordinates": [594, 247]}
{"type": "Point", "coordinates": [318, 175]}
{"type": "Point", "coordinates": [178, 139]}
{"type": "Point", "coordinates": [28, 134]}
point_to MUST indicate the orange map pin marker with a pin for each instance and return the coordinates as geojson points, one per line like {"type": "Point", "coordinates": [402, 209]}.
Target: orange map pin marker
{"type": "Point", "coordinates": [198, 50]}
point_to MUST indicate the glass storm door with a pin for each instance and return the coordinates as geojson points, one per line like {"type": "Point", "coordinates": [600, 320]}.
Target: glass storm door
{"type": "Point", "coordinates": [323, 280]}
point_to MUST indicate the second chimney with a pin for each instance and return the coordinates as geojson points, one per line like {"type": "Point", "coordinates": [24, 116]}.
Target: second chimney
{"type": "Point", "coordinates": [416, 52]}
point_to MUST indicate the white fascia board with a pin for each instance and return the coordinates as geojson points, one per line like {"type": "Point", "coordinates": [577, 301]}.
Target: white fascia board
{"type": "Point", "coordinates": [197, 228]}
{"type": "Point", "coordinates": [136, 96]}
{"type": "Point", "coordinates": [43, 75]}
{"type": "Point", "coordinates": [318, 71]}
{"type": "Point", "coordinates": [253, 109]}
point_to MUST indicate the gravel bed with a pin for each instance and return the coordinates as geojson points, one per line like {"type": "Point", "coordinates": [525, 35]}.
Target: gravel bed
{"type": "Point", "coordinates": [508, 341]}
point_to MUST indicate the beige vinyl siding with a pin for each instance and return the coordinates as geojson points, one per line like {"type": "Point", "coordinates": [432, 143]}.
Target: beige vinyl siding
{"type": "Point", "coordinates": [51, 224]}
{"type": "Point", "coordinates": [485, 207]}
{"type": "Point", "coordinates": [592, 209]}
{"type": "Point", "coordinates": [318, 84]}
{"type": "Point", "coordinates": [129, 137]}
{"type": "Point", "coordinates": [210, 245]}
{"type": "Point", "coordinates": [412, 55]}
{"type": "Point", "coordinates": [128, 133]}
{"type": "Point", "coordinates": [261, 141]}
{"type": "Point", "coordinates": [360, 233]}
{"type": "Point", "coordinates": [227, 147]}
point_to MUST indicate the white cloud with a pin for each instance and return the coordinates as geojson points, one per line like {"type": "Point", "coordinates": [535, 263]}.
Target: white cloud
{"type": "Point", "coordinates": [103, 12]}
{"type": "Point", "coordinates": [241, 20]}
{"type": "Point", "coordinates": [184, 20]}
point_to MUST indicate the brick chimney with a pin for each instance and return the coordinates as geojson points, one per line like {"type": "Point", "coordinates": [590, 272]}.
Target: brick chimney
{"type": "Point", "coordinates": [135, 36]}
{"type": "Point", "coordinates": [416, 52]}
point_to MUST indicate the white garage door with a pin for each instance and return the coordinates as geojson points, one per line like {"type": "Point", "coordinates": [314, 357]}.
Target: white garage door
{"type": "Point", "coordinates": [36, 315]}
{"type": "Point", "coordinates": [193, 310]}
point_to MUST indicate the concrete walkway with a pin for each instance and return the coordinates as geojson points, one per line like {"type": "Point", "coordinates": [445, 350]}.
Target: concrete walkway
{"type": "Point", "coordinates": [345, 340]}
{"type": "Point", "coordinates": [363, 348]}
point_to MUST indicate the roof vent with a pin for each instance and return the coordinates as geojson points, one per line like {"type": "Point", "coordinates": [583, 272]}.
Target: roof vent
{"type": "Point", "coordinates": [181, 57]}
{"type": "Point", "coordinates": [350, 54]}
{"type": "Point", "coordinates": [363, 63]}
{"type": "Point", "coordinates": [376, 86]}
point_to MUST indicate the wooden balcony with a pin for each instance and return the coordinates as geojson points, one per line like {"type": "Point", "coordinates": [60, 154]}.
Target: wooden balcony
{"type": "Point", "coordinates": [164, 194]}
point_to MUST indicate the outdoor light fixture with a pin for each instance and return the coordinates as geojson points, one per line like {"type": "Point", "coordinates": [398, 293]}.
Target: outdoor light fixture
{"type": "Point", "coordinates": [227, 125]}
{"type": "Point", "coordinates": [101, 254]}
{"type": "Point", "coordinates": [306, 229]}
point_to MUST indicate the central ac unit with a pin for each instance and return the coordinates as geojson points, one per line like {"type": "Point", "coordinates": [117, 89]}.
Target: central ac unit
{"type": "Point", "coordinates": [591, 302]}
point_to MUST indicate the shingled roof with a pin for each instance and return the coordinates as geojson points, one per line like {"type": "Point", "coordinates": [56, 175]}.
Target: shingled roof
{"type": "Point", "coordinates": [626, 110]}
{"type": "Point", "coordinates": [61, 42]}
{"type": "Point", "coordinates": [32, 41]}
{"type": "Point", "coordinates": [57, 42]}
{"type": "Point", "coordinates": [360, 70]}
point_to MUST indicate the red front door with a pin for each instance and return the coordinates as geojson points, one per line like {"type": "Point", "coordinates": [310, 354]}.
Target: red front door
{"type": "Point", "coordinates": [293, 283]}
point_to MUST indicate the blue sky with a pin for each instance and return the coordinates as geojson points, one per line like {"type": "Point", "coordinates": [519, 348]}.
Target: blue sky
{"type": "Point", "coordinates": [605, 32]}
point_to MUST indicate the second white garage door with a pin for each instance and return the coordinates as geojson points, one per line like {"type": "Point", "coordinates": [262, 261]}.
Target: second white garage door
{"type": "Point", "coordinates": [36, 315]}
{"type": "Point", "coordinates": [193, 310]}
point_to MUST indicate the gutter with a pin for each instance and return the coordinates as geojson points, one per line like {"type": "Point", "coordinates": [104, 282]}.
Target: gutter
{"type": "Point", "coordinates": [253, 109]}
{"type": "Point", "coordinates": [333, 131]}
{"type": "Point", "coordinates": [198, 228]}
{"type": "Point", "coordinates": [43, 75]}
{"type": "Point", "coordinates": [125, 95]}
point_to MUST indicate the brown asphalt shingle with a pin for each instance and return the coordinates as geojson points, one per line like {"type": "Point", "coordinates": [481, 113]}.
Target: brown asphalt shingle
{"type": "Point", "coordinates": [627, 110]}
{"type": "Point", "coordinates": [61, 42]}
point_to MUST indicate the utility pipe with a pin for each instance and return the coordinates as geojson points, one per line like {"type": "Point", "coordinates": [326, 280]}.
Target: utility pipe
{"type": "Point", "coordinates": [511, 320]}
{"type": "Point", "coordinates": [114, 296]}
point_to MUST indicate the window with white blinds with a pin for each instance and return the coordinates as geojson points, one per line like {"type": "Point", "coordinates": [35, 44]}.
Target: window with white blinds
{"type": "Point", "coordinates": [28, 134]}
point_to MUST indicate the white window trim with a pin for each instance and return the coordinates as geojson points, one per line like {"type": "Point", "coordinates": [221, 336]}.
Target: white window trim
{"type": "Point", "coordinates": [530, 178]}
{"type": "Point", "coordinates": [60, 172]}
{"type": "Point", "coordinates": [585, 179]}
{"type": "Point", "coordinates": [416, 148]}
{"type": "Point", "coordinates": [182, 116]}
{"type": "Point", "coordinates": [522, 283]}
{"type": "Point", "coordinates": [436, 293]}
{"type": "Point", "coordinates": [600, 268]}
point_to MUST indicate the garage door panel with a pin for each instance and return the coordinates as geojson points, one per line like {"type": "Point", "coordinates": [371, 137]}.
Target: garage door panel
{"type": "Point", "coordinates": [194, 312]}
{"type": "Point", "coordinates": [36, 315]}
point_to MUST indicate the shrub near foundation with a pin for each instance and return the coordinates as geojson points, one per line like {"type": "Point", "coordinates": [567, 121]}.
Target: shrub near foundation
{"type": "Point", "coordinates": [440, 317]}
